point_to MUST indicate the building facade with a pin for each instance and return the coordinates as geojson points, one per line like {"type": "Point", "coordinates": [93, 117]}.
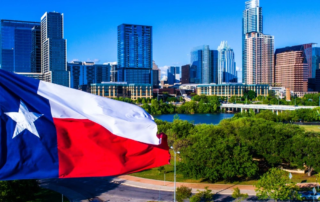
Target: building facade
{"type": "Point", "coordinates": [257, 48]}
{"type": "Point", "coordinates": [185, 74]}
{"type": "Point", "coordinates": [135, 54]}
{"type": "Point", "coordinates": [53, 49]}
{"type": "Point", "coordinates": [260, 59]}
{"type": "Point", "coordinates": [171, 75]}
{"type": "Point", "coordinates": [19, 41]}
{"type": "Point", "coordinates": [122, 89]}
{"type": "Point", "coordinates": [292, 68]}
{"type": "Point", "coordinates": [315, 60]}
{"type": "Point", "coordinates": [155, 67]}
{"type": "Point", "coordinates": [226, 64]}
{"type": "Point", "coordinates": [231, 89]}
{"type": "Point", "coordinates": [155, 79]}
{"type": "Point", "coordinates": [203, 65]}
{"type": "Point", "coordinates": [86, 73]}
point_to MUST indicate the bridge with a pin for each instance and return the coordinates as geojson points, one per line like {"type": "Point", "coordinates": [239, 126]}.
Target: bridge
{"type": "Point", "coordinates": [258, 107]}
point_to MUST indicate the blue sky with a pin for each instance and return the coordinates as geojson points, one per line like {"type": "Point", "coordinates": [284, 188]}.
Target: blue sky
{"type": "Point", "coordinates": [178, 25]}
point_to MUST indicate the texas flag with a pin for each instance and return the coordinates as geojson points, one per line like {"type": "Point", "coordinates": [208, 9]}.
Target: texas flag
{"type": "Point", "coordinates": [50, 131]}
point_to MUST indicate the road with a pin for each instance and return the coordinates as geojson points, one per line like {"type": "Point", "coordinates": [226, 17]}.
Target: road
{"type": "Point", "coordinates": [110, 189]}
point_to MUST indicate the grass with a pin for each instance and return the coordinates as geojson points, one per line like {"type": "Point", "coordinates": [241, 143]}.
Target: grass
{"type": "Point", "coordinates": [49, 196]}
{"type": "Point", "coordinates": [309, 128]}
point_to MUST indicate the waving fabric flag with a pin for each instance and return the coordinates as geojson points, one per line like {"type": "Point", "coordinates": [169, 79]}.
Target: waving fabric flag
{"type": "Point", "coordinates": [50, 131]}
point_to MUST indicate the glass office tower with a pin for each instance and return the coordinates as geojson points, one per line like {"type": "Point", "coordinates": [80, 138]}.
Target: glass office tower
{"type": "Point", "coordinates": [17, 44]}
{"type": "Point", "coordinates": [203, 65]}
{"type": "Point", "coordinates": [226, 64]}
{"type": "Point", "coordinates": [53, 49]}
{"type": "Point", "coordinates": [135, 54]}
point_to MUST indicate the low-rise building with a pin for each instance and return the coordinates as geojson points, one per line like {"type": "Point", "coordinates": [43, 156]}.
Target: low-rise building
{"type": "Point", "coordinates": [122, 89]}
{"type": "Point", "coordinates": [231, 89]}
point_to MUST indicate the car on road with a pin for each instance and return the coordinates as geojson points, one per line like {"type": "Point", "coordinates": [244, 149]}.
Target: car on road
{"type": "Point", "coordinates": [308, 195]}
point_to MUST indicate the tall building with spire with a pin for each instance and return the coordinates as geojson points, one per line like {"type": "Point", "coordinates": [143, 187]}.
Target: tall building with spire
{"type": "Point", "coordinates": [257, 48]}
{"type": "Point", "coordinates": [226, 64]}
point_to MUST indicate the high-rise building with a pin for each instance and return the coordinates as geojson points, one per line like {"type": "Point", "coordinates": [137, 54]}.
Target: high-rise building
{"type": "Point", "coordinates": [257, 48]}
{"type": "Point", "coordinates": [36, 49]}
{"type": "Point", "coordinates": [292, 67]}
{"type": "Point", "coordinates": [155, 67]}
{"type": "Point", "coordinates": [113, 73]}
{"type": "Point", "coordinates": [135, 54]}
{"type": "Point", "coordinates": [203, 65]}
{"type": "Point", "coordinates": [17, 44]}
{"type": "Point", "coordinates": [260, 59]}
{"type": "Point", "coordinates": [86, 73]}
{"type": "Point", "coordinates": [177, 75]}
{"type": "Point", "coordinates": [155, 79]}
{"type": "Point", "coordinates": [315, 60]}
{"type": "Point", "coordinates": [185, 74]}
{"type": "Point", "coordinates": [171, 75]}
{"type": "Point", "coordinates": [53, 49]}
{"type": "Point", "coordinates": [226, 64]}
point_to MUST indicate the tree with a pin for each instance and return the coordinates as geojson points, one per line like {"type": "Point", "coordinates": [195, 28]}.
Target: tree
{"type": "Point", "coordinates": [18, 190]}
{"type": "Point", "coordinates": [250, 94]}
{"type": "Point", "coordinates": [238, 196]}
{"type": "Point", "coordinates": [274, 185]}
{"type": "Point", "coordinates": [205, 196]}
{"type": "Point", "coordinates": [183, 193]}
{"type": "Point", "coordinates": [305, 151]}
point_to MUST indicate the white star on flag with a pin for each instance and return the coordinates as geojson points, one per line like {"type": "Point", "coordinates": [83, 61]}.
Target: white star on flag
{"type": "Point", "coordinates": [24, 120]}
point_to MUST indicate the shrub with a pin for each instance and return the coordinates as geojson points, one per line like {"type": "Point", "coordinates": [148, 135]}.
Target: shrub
{"type": "Point", "coordinates": [183, 193]}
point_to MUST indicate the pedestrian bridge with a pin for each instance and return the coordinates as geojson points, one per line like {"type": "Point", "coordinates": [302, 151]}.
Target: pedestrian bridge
{"type": "Point", "coordinates": [257, 107]}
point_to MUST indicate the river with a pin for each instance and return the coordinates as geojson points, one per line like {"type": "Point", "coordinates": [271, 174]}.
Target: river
{"type": "Point", "coordinates": [197, 118]}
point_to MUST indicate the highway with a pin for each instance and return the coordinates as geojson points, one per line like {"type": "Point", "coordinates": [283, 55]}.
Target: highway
{"type": "Point", "coordinates": [110, 189]}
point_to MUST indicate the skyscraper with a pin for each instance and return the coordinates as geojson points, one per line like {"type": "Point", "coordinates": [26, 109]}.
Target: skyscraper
{"type": "Point", "coordinates": [292, 67]}
{"type": "Point", "coordinates": [203, 65]}
{"type": "Point", "coordinates": [226, 64]}
{"type": "Point", "coordinates": [17, 44]}
{"type": "Point", "coordinates": [257, 48]}
{"type": "Point", "coordinates": [135, 54]}
{"type": "Point", "coordinates": [53, 49]}
{"type": "Point", "coordinates": [171, 74]}
{"type": "Point", "coordinates": [185, 76]}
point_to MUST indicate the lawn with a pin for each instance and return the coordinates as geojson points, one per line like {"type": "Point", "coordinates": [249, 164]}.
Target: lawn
{"type": "Point", "coordinates": [314, 128]}
{"type": "Point", "coordinates": [156, 175]}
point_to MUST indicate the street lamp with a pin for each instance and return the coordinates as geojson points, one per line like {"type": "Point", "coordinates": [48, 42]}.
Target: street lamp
{"type": "Point", "coordinates": [175, 169]}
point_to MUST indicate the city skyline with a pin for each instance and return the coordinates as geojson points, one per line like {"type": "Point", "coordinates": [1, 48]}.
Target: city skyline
{"type": "Point", "coordinates": [173, 41]}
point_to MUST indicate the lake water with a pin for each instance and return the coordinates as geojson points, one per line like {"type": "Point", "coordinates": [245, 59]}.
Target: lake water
{"type": "Point", "coordinates": [196, 118]}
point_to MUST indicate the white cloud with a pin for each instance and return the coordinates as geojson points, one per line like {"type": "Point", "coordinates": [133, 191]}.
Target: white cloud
{"type": "Point", "coordinates": [74, 60]}
{"type": "Point", "coordinates": [111, 63]}
{"type": "Point", "coordinates": [238, 68]}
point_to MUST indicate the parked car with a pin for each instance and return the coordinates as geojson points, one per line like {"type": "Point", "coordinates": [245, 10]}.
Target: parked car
{"type": "Point", "coordinates": [308, 195]}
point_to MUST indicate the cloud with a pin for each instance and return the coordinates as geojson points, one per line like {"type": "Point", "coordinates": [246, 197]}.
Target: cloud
{"type": "Point", "coordinates": [74, 60]}
{"type": "Point", "coordinates": [111, 63]}
{"type": "Point", "coordinates": [93, 60]}
{"type": "Point", "coordinates": [238, 68]}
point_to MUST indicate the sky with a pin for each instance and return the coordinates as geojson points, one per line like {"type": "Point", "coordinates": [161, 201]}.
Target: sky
{"type": "Point", "coordinates": [178, 25]}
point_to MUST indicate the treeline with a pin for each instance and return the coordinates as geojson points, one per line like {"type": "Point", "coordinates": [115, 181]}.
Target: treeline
{"type": "Point", "coordinates": [303, 115]}
{"type": "Point", "coordinates": [250, 97]}
{"type": "Point", "coordinates": [202, 104]}
{"type": "Point", "coordinates": [240, 148]}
